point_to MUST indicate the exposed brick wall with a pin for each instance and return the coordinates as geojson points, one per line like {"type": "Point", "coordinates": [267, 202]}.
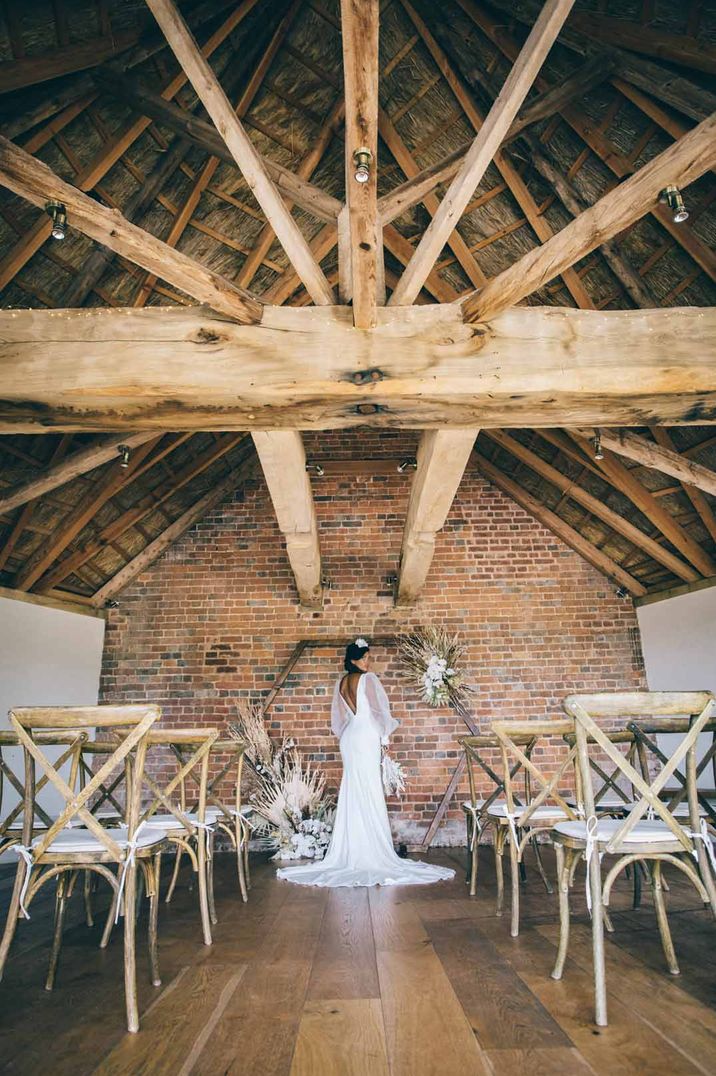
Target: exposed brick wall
{"type": "Point", "coordinates": [216, 617]}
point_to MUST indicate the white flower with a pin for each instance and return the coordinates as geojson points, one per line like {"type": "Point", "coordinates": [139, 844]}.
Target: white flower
{"type": "Point", "coordinates": [360, 641]}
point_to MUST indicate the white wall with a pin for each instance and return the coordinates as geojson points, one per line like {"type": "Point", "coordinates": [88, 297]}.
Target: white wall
{"type": "Point", "coordinates": [678, 638]}
{"type": "Point", "coordinates": [48, 657]}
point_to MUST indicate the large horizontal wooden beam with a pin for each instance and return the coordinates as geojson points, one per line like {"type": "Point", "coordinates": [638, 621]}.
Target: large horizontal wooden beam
{"type": "Point", "coordinates": [29, 70]}
{"type": "Point", "coordinates": [680, 164]}
{"type": "Point", "coordinates": [308, 368]}
{"type": "Point", "coordinates": [34, 180]}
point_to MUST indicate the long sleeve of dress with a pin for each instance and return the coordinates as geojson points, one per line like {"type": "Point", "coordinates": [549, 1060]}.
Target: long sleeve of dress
{"type": "Point", "coordinates": [379, 705]}
{"type": "Point", "coordinates": [340, 714]}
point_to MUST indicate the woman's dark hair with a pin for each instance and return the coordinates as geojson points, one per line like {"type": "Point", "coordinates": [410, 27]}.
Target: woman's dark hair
{"type": "Point", "coordinates": [354, 652]}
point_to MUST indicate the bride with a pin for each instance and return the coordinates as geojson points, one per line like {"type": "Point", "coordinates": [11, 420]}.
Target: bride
{"type": "Point", "coordinates": [361, 850]}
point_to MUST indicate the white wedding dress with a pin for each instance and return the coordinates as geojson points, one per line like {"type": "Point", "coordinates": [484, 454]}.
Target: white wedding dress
{"type": "Point", "coordinates": [361, 850]}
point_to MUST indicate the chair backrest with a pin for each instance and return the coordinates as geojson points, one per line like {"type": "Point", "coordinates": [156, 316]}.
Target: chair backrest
{"type": "Point", "coordinates": [700, 706]}
{"type": "Point", "coordinates": [546, 785]}
{"type": "Point", "coordinates": [129, 726]}
{"type": "Point", "coordinates": [478, 749]}
{"type": "Point", "coordinates": [652, 737]}
{"type": "Point", "coordinates": [224, 755]}
{"type": "Point", "coordinates": [12, 806]}
{"type": "Point", "coordinates": [608, 781]}
{"type": "Point", "coordinates": [197, 740]}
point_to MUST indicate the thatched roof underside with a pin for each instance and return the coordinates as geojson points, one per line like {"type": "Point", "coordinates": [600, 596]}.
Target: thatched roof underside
{"type": "Point", "coordinates": [205, 208]}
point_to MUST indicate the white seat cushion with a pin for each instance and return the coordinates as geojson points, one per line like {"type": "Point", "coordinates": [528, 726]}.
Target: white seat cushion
{"type": "Point", "coordinates": [170, 821]}
{"type": "Point", "coordinates": [499, 810]}
{"type": "Point", "coordinates": [82, 840]}
{"type": "Point", "coordinates": [682, 809]}
{"type": "Point", "coordinates": [246, 809]}
{"type": "Point", "coordinates": [609, 802]}
{"type": "Point", "coordinates": [647, 831]}
{"type": "Point", "coordinates": [467, 806]}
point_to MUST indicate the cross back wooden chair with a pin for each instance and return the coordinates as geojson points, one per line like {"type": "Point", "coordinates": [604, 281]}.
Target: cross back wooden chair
{"type": "Point", "coordinates": [659, 839]}
{"type": "Point", "coordinates": [11, 818]}
{"type": "Point", "coordinates": [644, 732]}
{"type": "Point", "coordinates": [519, 824]}
{"type": "Point", "coordinates": [63, 849]}
{"type": "Point", "coordinates": [229, 817]}
{"type": "Point", "coordinates": [188, 831]}
{"type": "Point", "coordinates": [477, 750]}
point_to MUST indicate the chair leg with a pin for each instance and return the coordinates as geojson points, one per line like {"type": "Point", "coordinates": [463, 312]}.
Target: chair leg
{"type": "Point", "coordinates": [108, 926]}
{"type": "Point", "coordinates": [130, 961]}
{"type": "Point", "coordinates": [60, 905]}
{"type": "Point", "coordinates": [12, 915]}
{"type": "Point", "coordinates": [564, 863]}
{"type": "Point", "coordinates": [540, 866]}
{"type": "Point", "coordinates": [499, 871]}
{"type": "Point", "coordinates": [203, 894]}
{"type": "Point", "coordinates": [247, 870]}
{"type": "Point", "coordinates": [600, 980]}
{"type": "Point", "coordinates": [515, 886]}
{"type": "Point", "coordinates": [175, 874]}
{"type": "Point", "coordinates": [474, 852]}
{"type": "Point", "coordinates": [662, 920]}
{"type": "Point", "coordinates": [87, 889]}
{"type": "Point", "coordinates": [210, 877]}
{"type": "Point", "coordinates": [156, 869]}
{"type": "Point", "coordinates": [240, 864]}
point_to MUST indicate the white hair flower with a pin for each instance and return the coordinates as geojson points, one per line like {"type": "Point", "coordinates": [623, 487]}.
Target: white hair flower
{"type": "Point", "coordinates": [360, 641]}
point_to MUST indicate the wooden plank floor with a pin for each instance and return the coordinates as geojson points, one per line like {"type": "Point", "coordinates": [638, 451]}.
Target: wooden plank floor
{"type": "Point", "coordinates": [410, 981]}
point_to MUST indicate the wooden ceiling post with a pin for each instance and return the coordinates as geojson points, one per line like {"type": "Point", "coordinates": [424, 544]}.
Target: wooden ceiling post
{"type": "Point", "coordinates": [483, 149]}
{"type": "Point", "coordinates": [680, 164]}
{"type": "Point", "coordinates": [359, 32]}
{"type": "Point", "coordinates": [283, 460]}
{"type": "Point", "coordinates": [442, 458]}
{"type": "Point", "coordinates": [242, 149]}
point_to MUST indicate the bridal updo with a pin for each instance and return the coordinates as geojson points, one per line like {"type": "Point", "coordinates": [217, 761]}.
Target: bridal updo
{"type": "Point", "coordinates": [354, 652]}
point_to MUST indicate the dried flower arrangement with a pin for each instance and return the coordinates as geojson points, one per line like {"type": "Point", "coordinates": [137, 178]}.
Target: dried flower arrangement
{"type": "Point", "coordinates": [295, 816]}
{"type": "Point", "coordinates": [433, 658]}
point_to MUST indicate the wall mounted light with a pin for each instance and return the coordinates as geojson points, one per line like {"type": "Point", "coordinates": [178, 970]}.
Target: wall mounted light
{"type": "Point", "coordinates": [409, 464]}
{"type": "Point", "coordinates": [622, 592]}
{"type": "Point", "coordinates": [123, 455]}
{"type": "Point", "coordinates": [672, 197]}
{"type": "Point", "coordinates": [362, 160]}
{"type": "Point", "coordinates": [316, 468]}
{"type": "Point", "coordinates": [58, 215]}
{"type": "Point", "coordinates": [598, 453]}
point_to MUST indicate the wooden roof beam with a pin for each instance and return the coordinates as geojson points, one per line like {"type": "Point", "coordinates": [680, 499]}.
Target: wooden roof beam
{"type": "Point", "coordinates": [594, 505]}
{"type": "Point", "coordinates": [680, 164]}
{"type": "Point", "coordinates": [554, 523]}
{"type": "Point", "coordinates": [674, 48]}
{"type": "Point", "coordinates": [703, 508]}
{"type": "Point", "coordinates": [483, 149]}
{"type": "Point", "coordinates": [657, 458]}
{"type": "Point", "coordinates": [63, 60]}
{"type": "Point", "coordinates": [64, 471]}
{"type": "Point", "coordinates": [186, 369]}
{"type": "Point", "coordinates": [359, 34]}
{"type": "Point", "coordinates": [442, 459]}
{"type": "Point", "coordinates": [242, 149]}
{"type": "Point", "coordinates": [33, 180]}
{"type": "Point", "coordinates": [174, 531]}
{"type": "Point", "coordinates": [648, 504]}
{"type": "Point", "coordinates": [423, 182]}
{"type": "Point", "coordinates": [283, 460]}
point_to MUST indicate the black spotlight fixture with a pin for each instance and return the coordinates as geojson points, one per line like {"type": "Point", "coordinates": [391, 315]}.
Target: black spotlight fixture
{"type": "Point", "coordinates": [58, 215]}
{"type": "Point", "coordinates": [673, 198]}
{"type": "Point", "coordinates": [123, 455]}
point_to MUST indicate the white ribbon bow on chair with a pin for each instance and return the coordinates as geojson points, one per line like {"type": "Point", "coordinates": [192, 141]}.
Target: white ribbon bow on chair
{"type": "Point", "coordinates": [26, 854]}
{"type": "Point", "coordinates": [129, 858]}
{"type": "Point", "coordinates": [590, 848]}
{"type": "Point", "coordinates": [704, 835]}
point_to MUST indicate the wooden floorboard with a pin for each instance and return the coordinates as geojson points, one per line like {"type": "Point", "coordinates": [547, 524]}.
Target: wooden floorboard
{"type": "Point", "coordinates": [406, 981]}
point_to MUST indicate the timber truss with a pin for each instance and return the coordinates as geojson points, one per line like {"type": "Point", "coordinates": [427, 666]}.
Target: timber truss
{"type": "Point", "coordinates": [506, 279]}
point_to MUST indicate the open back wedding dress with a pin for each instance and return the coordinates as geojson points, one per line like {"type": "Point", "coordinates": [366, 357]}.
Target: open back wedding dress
{"type": "Point", "coordinates": [361, 850]}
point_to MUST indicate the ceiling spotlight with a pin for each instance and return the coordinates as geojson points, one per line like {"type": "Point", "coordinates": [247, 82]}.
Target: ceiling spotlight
{"type": "Point", "coordinates": [58, 216]}
{"type": "Point", "coordinates": [672, 197]}
{"type": "Point", "coordinates": [317, 468]}
{"type": "Point", "coordinates": [597, 442]}
{"type": "Point", "coordinates": [123, 455]}
{"type": "Point", "coordinates": [362, 160]}
{"type": "Point", "coordinates": [622, 592]}
{"type": "Point", "coordinates": [408, 464]}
